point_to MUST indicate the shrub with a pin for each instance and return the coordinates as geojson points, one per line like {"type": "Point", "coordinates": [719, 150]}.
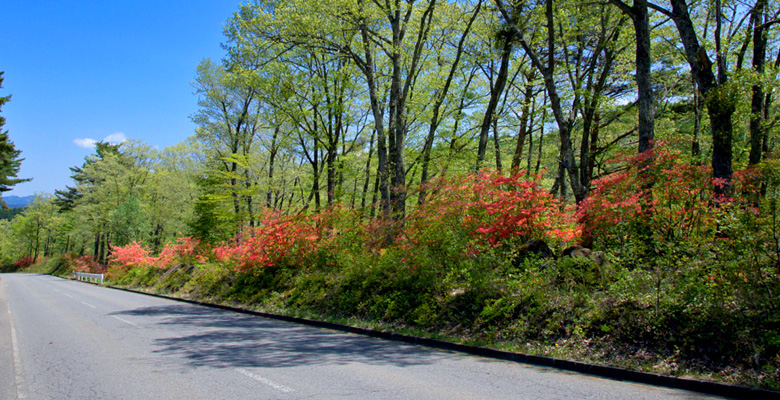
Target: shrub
{"type": "Point", "coordinates": [186, 251]}
{"type": "Point", "coordinates": [277, 238]}
{"type": "Point", "coordinates": [25, 262]}
{"type": "Point", "coordinates": [655, 195]}
{"type": "Point", "coordinates": [132, 255]}
{"type": "Point", "coordinates": [484, 210]}
{"type": "Point", "coordinates": [84, 264]}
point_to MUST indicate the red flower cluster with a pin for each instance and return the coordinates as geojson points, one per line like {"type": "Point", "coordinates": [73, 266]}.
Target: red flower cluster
{"type": "Point", "coordinates": [656, 191]}
{"type": "Point", "coordinates": [511, 206]}
{"type": "Point", "coordinates": [491, 208]}
{"type": "Point", "coordinates": [25, 262]}
{"type": "Point", "coordinates": [186, 250]}
{"type": "Point", "coordinates": [266, 245]}
{"type": "Point", "coordinates": [132, 255]}
{"type": "Point", "coordinates": [84, 264]}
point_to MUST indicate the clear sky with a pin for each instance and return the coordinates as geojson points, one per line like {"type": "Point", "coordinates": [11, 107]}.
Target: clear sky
{"type": "Point", "coordinates": [85, 71]}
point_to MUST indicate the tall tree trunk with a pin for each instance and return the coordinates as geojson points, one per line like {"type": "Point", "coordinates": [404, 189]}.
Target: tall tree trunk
{"type": "Point", "coordinates": [367, 171]}
{"type": "Point", "coordinates": [96, 250]}
{"type": "Point", "coordinates": [758, 96]}
{"type": "Point", "coordinates": [524, 128]}
{"type": "Point", "coordinates": [697, 103]}
{"type": "Point", "coordinates": [332, 155]}
{"type": "Point", "coordinates": [541, 136]}
{"type": "Point", "coordinates": [248, 199]}
{"type": "Point", "coordinates": [531, 125]}
{"type": "Point", "coordinates": [271, 164]}
{"type": "Point", "coordinates": [594, 139]}
{"type": "Point", "coordinates": [440, 97]}
{"type": "Point", "coordinates": [548, 72]}
{"type": "Point", "coordinates": [495, 96]}
{"type": "Point", "coordinates": [382, 162]}
{"type": "Point", "coordinates": [645, 97]}
{"type": "Point", "coordinates": [721, 104]}
{"type": "Point", "coordinates": [234, 192]}
{"type": "Point", "coordinates": [315, 187]}
{"type": "Point", "coordinates": [497, 146]}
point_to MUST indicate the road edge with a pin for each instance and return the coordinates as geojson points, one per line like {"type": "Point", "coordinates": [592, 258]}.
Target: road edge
{"type": "Point", "coordinates": [616, 373]}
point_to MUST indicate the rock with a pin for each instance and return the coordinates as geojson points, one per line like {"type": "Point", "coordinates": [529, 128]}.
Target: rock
{"type": "Point", "coordinates": [535, 248]}
{"type": "Point", "coordinates": [584, 252]}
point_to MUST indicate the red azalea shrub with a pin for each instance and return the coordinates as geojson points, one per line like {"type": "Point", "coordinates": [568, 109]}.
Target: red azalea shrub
{"type": "Point", "coordinates": [132, 255]}
{"type": "Point", "coordinates": [439, 220]}
{"type": "Point", "coordinates": [25, 262]}
{"type": "Point", "coordinates": [276, 238]}
{"type": "Point", "coordinates": [657, 192]}
{"type": "Point", "coordinates": [513, 207]}
{"type": "Point", "coordinates": [84, 264]}
{"type": "Point", "coordinates": [186, 250]}
{"type": "Point", "coordinates": [490, 209]}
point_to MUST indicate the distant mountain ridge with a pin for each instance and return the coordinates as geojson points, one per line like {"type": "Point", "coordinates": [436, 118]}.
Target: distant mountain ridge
{"type": "Point", "coordinates": [18, 202]}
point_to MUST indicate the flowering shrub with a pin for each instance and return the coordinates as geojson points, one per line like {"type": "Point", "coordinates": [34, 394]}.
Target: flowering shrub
{"type": "Point", "coordinates": [132, 255]}
{"type": "Point", "coordinates": [490, 209]}
{"type": "Point", "coordinates": [268, 244]}
{"type": "Point", "coordinates": [84, 264]}
{"type": "Point", "coordinates": [185, 251]}
{"type": "Point", "coordinates": [656, 191]}
{"type": "Point", "coordinates": [25, 262]}
{"type": "Point", "coordinates": [507, 207]}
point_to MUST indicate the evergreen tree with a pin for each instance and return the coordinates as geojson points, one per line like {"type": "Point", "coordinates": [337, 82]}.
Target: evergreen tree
{"type": "Point", "coordinates": [9, 156]}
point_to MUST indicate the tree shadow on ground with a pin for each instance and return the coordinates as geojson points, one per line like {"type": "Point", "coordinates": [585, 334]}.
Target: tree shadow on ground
{"type": "Point", "coordinates": [215, 338]}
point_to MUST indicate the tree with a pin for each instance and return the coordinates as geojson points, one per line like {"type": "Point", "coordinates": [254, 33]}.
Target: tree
{"type": "Point", "coordinates": [584, 43]}
{"type": "Point", "coordinates": [227, 125]}
{"type": "Point", "coordinates": [9, 156]}
{"type": "Point", "coordinates": [384, 40]}
{"type": "Point", "coordinates": [439, 97]}
{"type": "Point", "coordinates": [34, 228]}
{"type": "Point", "coordinates": [505, 38]}
{"type": "Point", "coordinates": [720, 97]}
{"type": "Point", "coordinates": [640, 17]}
{"type": "Point", "coordinates": [105, 181]}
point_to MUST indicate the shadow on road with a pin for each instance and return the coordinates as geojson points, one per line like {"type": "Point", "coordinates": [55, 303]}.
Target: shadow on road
{"type": "Point", "coordinates": [216, 338]}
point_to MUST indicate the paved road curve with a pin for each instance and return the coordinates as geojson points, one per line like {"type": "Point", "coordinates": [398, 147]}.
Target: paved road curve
{"type": "Point", "coordinates": [63, 339]}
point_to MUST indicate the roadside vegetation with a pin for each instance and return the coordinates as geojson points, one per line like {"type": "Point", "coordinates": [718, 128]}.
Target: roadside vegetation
{"type": "Point", "coordinates": [676, 280]}
{"type": "Point", "coordinates": [512, 175]}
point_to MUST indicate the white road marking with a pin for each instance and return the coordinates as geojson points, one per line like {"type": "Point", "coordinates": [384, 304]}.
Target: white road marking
{"type": "Point", "coordinates": [277, 386]}
{"type": "Point", "coordinates": [126, 321]}
{"type": "Point", "coordinates": [17, 358]}
{"type": "Point", "coordinates": [87, 304]}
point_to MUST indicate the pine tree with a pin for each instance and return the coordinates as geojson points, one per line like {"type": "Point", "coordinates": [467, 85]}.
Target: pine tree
{"type": "Point", "coordinates": [9, 156]}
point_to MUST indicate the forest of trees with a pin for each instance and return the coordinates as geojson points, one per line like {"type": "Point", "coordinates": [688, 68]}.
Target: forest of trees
{"type": "Point", "coordinates": [363, 102]}
{"type": "Point", "coordinates": [646, 131]}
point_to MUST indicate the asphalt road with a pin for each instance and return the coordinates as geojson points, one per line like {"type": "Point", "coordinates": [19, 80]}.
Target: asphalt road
{"type": "Point", "coordinates": [62, 339]}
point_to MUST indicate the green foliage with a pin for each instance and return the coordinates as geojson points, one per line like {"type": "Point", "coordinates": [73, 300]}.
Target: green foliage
{"type": "Point", "coordinates": [206, 222]}
{"type": "Point", "coordinates": [144, 276]}
{"type": "Point", "coordinates": [9, 155]}
{"type": "Point", "coordinates": [128, 223]}
{"type": "Point", "coordinates": [10, 213]}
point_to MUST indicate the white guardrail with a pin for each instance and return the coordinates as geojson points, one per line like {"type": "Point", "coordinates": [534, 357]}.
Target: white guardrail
{"type": "Point", "coordinates": [83, 276]}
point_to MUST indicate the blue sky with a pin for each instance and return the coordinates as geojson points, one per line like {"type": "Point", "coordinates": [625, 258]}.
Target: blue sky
{"type": "Point", "coordinates": [85, 71]}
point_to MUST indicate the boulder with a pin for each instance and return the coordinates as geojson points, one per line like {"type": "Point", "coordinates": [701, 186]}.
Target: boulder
{"type": "Point", "coordinates": [584, 252]}
{"type": "Point", "coordinates": [535, 248]}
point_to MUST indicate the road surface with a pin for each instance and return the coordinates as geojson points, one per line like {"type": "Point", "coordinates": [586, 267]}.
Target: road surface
{"type": "Point", "coordinates": [62, 339]}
